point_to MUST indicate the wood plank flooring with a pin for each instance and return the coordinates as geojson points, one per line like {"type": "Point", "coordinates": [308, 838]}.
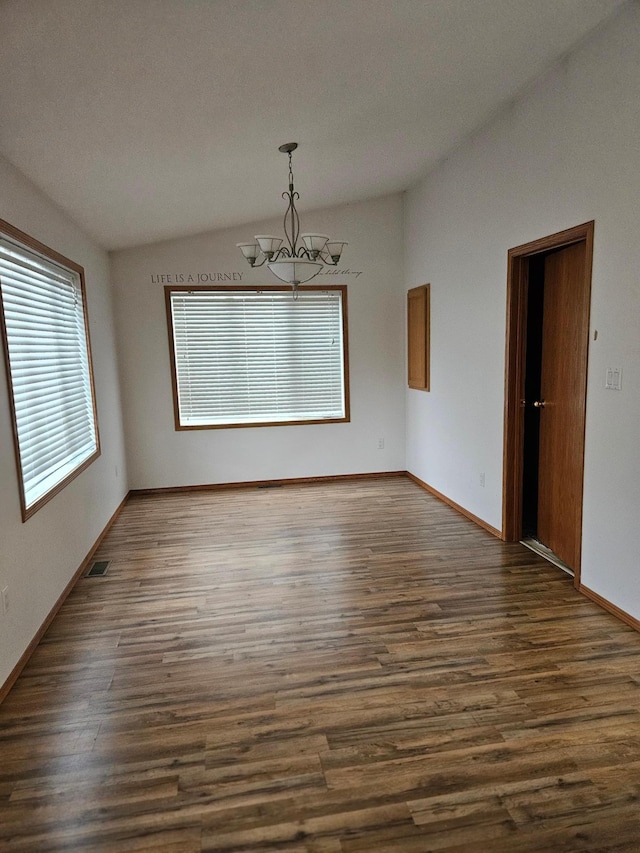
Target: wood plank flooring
{"type": "Point", "coordinates": [329, 668]}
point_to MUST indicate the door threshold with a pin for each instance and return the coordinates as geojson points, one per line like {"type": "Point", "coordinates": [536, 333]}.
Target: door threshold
{"type": "Point", "coordinates": [538, 548]}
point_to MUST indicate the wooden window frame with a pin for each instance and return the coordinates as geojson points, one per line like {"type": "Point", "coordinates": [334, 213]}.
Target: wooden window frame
{"type": "Point", "coordinates": [418, 337]}
{"type": "Point", "coordinates": [342, 288]}
{"type": "Point", "coordinates": [9, 231]}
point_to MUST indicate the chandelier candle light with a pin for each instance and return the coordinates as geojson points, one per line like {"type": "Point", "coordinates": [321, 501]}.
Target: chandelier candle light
{"type": "Point", "coordinates": [294, 263]}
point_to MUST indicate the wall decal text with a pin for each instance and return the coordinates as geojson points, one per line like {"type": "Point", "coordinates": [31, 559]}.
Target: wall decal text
{"type": "Point", "coordinates": [332, 271]}
{"type": "Point", "coordinates": [212, 277]}
{"type": "Point", "coordinates": [194, 278]}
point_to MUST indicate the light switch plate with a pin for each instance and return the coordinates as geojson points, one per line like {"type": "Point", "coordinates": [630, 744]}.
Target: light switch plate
{"type": "Point", "coordinates": [613, 379]}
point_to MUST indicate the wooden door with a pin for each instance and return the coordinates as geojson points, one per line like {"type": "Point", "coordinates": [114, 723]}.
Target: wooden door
{"type": "Point", "coordinates": [580, 239]}
{"type": "Point", "coordinates": [562, 416]}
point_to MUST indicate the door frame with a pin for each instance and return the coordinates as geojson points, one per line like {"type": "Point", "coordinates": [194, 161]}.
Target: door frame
{"type": "Point", "coordinates": [515, 365]}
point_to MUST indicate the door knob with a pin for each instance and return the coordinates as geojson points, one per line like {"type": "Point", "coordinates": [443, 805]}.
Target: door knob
{"type": "Point", "coordinates": [539, 404]}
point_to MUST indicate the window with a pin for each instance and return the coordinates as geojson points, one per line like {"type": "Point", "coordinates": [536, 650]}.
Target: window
{"type": "Point", "coordinates": [418, 337]}
{"type": "Point", "coordinates": [46, 345]}
{"type": "Point", "coordinates": [249, 357]}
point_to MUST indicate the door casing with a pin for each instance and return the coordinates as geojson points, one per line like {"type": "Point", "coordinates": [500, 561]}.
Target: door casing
{"type": "Point", "coordinates": [517, 284]}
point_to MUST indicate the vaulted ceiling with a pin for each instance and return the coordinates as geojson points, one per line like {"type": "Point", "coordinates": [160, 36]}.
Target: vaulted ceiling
{"type": "Point", "coordinates": [147, 119]}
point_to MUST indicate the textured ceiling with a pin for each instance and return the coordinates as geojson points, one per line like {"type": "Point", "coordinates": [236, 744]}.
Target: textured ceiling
{"type": "Point", "coordinates": [147, 119]}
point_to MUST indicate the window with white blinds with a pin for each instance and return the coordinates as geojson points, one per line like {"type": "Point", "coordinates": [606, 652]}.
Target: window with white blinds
{"type": "Point", "coordinates": [49, 367]}
{"type": "Point", "coordinates": [246, 357]}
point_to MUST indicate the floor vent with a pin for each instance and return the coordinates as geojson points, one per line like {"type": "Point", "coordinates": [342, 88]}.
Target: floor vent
{"type": "Point", "coordinates": [98, 569]}
{"type": "Point", "coordinates": [270, 486]}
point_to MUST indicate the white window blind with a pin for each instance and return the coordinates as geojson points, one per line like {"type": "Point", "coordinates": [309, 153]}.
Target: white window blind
{"type": "Point", "coordinates": [50, 379]}
{"type": "Point", "coordinates": [248, 357]}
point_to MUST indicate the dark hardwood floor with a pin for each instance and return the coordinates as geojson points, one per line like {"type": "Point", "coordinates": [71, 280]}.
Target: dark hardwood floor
{"type": "Point", "coordinates": [325, 668]}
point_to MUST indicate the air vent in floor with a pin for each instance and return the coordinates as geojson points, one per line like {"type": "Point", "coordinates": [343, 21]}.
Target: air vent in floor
{"type": "Point", "coordinates": [98, 569]}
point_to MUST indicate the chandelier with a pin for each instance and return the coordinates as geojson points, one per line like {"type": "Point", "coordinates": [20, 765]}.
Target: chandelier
{"type": "Point", "coordinates": [293, 263]}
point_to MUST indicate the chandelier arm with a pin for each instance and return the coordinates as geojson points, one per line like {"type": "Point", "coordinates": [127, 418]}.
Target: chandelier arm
{"type": "Point", "coordinates": [326, 258]}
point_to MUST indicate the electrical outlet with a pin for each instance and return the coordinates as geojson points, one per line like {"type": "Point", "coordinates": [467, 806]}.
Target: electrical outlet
{"type": "Point", "coordinates": [381, 444]}
{"type": "Point", "coordinates": [5, 600]}
{"type": "Point", "coordinates": [482, 479]}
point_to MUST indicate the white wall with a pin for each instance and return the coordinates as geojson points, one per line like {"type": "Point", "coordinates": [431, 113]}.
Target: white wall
{"type": "Point", "coordinates": [39, 557]}
{"type": "Point", "coordinates": [159, 456]}
{"type": "Point", "coordinates": [566, 153]}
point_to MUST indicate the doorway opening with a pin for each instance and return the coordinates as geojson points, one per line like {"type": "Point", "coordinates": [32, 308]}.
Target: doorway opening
{"type": "Point", "coordinates": [548, 299]}
{"type": "Point", "coordinates": [532, 380]}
